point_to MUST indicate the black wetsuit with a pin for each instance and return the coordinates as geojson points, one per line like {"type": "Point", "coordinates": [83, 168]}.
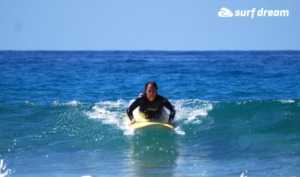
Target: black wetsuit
{"type": "Point", "coordinates": [152, 109]}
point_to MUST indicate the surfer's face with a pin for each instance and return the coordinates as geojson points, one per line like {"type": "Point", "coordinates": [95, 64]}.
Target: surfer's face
{"type": "Point", "coordinates": [151, 92]}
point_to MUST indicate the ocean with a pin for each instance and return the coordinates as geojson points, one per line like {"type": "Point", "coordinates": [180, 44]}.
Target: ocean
{"type": "Point", "coordinates": [63, 113]}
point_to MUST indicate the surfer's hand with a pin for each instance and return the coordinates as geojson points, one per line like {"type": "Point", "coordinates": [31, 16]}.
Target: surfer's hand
{"type": "Point", "coordinates": [141, 94]}
{"type": "Point", "coordinates": [132, 122]}
{"type": "Point", "coordinates": [170, 123]}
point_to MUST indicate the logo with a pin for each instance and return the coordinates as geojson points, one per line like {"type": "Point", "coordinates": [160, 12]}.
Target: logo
{"type": "Point", "coordinates": [224, 12]}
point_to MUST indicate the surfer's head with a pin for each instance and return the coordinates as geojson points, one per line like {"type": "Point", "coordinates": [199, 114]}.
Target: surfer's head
{"type": "Point", "coordinates": [151, 90]}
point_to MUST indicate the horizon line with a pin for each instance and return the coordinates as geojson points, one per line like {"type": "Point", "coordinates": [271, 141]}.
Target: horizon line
{"type": "Point", "coordinates": [142, 50]}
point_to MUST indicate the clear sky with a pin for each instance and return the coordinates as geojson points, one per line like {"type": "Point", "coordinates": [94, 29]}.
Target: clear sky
{"type": "Point", "coordinates": [148, 25]}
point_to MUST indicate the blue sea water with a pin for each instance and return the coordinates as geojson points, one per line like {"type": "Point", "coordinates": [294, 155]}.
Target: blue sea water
{"type": "Point", "coordinates": [63, 113]}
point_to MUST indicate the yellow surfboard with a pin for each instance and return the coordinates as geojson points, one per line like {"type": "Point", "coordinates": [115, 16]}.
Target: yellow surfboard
{"type": "Point", "coordinates": [142, 122]}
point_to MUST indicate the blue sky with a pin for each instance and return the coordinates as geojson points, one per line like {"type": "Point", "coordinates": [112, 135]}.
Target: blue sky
{"type": "Point", "coordinates": [146, 25]}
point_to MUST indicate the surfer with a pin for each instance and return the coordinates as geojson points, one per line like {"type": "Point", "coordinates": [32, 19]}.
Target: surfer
{"type": "Point", "coordinates": [151, 104]}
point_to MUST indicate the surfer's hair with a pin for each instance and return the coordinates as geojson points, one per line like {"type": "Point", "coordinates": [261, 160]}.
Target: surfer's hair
{"type": "Point", "coordinates": [149, 83]}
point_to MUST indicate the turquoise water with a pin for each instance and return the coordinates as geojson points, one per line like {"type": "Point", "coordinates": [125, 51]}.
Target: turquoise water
{"type": "Point", "coordinates": [63, 113]}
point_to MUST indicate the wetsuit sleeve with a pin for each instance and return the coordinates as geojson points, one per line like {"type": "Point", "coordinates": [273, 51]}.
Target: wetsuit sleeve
{"type": "Point", "coordinates": [169, 106]}
{"type": "Point", "coordinates": [132, 107]}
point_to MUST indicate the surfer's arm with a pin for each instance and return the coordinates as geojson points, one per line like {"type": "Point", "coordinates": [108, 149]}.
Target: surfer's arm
{"type": "Point", "coordinates": [132, 107]}
{"type": "Point", "coordinates": [169, 106]}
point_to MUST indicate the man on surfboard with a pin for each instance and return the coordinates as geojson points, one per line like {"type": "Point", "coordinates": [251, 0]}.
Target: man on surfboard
{"type": "Point", "coordinates": [151, 104]}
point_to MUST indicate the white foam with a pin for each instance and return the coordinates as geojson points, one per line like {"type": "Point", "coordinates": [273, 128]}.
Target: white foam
{"type": "Point", "coordinates": [114, 113]}
{"type": "Point", "coordinates": [71, 103]}
{"type": "Point", "coordinates": [179, 131]}
{"type": "Point", "coordinates": [4, 169]}
{"type": "Point", "coordinates": [192, 111]}
{"type": "Point", "coordinates": [127, 130]}
{"type": "Point", "coordinates": [287, 101]}
{"type": "Point", "coordinates": [106, 116]}
{"type": "Point", "coordinates": [30, 103]}
{"type": "Point", "coordinates": [243, 174]}
{"type": "Point", "coordinates": [109, 112]}
{"type": "Point", "coordinates": [74, 102]}
{"type": "Point", "coordinates": [192, 116]}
